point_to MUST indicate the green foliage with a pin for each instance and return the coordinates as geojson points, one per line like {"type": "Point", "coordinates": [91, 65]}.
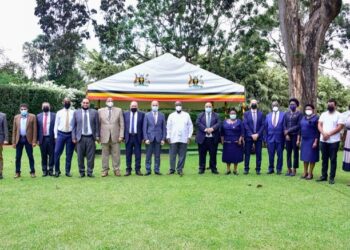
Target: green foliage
{"type": "Point", "coordinates": [34, 95]}
{"type": "Point", "coordinates": [11, 72]}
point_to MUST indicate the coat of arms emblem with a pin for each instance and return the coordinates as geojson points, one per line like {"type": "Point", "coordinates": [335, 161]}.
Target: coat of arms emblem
{"type": "Point", "coordinates": [141, 80]}
{"type": "Point", "coordinates": [196, 81]}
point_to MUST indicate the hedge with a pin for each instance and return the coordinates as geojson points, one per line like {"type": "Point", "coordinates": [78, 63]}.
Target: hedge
{"type": "Point", "coordinates": [12, 95]}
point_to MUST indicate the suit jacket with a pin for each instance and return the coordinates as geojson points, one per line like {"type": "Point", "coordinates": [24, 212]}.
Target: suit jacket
{"type": "Point", "coordinates": [31, 129]}
{"type": "Point", "coordinates": [113, 128]}
{"type": "Point", "coordinates": [274, 134]}
{"type": "Point", "coordinates": [249, 125]}
{"type": "Point", "coordinates": [140, 117]}
{"type": "Point", "coordinates": [201, 125]}
{"type": "Point", "coordinates": [152, 131]}
{"type": "Point", "coordinates": [4, 132]}
{"type": "Point", "coordinates": [40, 124]}
{"type": "Point", "coordinates": [78, 124]}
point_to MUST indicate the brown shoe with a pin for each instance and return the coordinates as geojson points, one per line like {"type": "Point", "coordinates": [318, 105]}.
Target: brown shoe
{"type": "Point", "coordinates": [104, 173]}
{"type": "Point", "coordinates": [117, 173]}
{"type": "Point", "coordinates": [17, 175]}
{"type": "Point", "coordinates": [32, 175]}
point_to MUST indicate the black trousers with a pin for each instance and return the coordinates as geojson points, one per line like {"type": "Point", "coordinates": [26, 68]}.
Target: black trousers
{"type": "Point", "coordinates": [47, 149]}
{"type": "Point", "coordinates": [292, 147]}
{"type": "Point", "coordinates": [133, 146]}
{"type": "Point", "coordinates": [208, 146]}
{"type": "Point", "coordinates": [329, 152]}
{"type": "Point", "coordinates": [23, 143]}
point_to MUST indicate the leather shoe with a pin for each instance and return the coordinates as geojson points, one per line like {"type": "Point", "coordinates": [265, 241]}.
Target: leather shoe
{"type": "Point", "coordinates": [50, 173]}
{"type": "Point", "coordinates": [258, 173]}
{"type": "Point", "coordinates": [32, 175]}
{"type": "Point", "coordinates": [228, 172]}
{"type": "Point", "coordinates": [139, 173]}
{"type": "Point", "coordinates": [270, 172]}
{"type": "Point", "coordinates": [117, 173]}
{"type": "Point", "coordinates": [45, 174]}
{"type": "Point", "coordinates": [69, 175]}
{"type": "Point", "coordinates": [104, 174]}
{"type": "Point", "coordinates": [214, 172]}
{"type": "Point", "coordinates": [82, 175]}
{"type": "Point", "coordinates": [158, 173]}
{"type": "Point", "coordinates": [1, 177]}
{"type": "Point", "coordinates": [322, 179]}
{"type": "Point", "coordinates": [127, 173]}
{"type": "Point", "coordinates": [17, 175]}
{"type": "Point", "coordinates": [331, 181]}
{"type": "Point", "coordinates": [91, 175]}
{"type": "Point", "coordinates": [57, 174]}
{"type": "Point", "coordinates": [246, 172]}
{"type": "Point", "coordinates": [148, 173]}
{"type": "Point", "coordinates": [180, 173]}
{"type": "Point", "coordinates": [171, 173]}
{"type": "Point", "coordinates": [279, 173]}
{"type": "Point", "coordinates": [201, 172]}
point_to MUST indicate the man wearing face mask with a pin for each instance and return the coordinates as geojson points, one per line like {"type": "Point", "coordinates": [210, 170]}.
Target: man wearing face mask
{"type": "Point", "coordinates": [24, 135]}
{"type": "Point", "coordinates": [154, 133]}
{"type": "Point", "coordinates": [275, 138]}
{"type": "Point", "coordinates": [46, 138]}
{"type": "Point", "coordinates": [207, 137]}
{"type": "Point", "coordinates": [133, 135]}
{"type": "Point", "coordinates": [63, 136]}
{"type": "Point", "coordinates": [4, 138]}
{"type": "Point", "coordinates": [330, 124]}
{"type": "Point", "coordinates": [111, 135]}
{"type": "Point", "coordinates": [291, 131]}
{"type": "Point", "coordinates": [179, 132]}
{"type": "Point", "coordinates": [254, 124]}
{"type": "Point", "coordinates": [86, 130]}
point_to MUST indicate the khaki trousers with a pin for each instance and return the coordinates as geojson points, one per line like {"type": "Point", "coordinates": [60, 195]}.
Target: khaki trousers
{"type": "Point", "coordinates": [112, 149]}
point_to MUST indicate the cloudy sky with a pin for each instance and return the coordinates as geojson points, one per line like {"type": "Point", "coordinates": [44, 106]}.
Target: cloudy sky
{"type": "Point", "coordinates": [18, 24]}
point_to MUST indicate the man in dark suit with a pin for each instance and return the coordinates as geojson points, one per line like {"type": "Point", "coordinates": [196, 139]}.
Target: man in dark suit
{"type": "Point", "coordinates": [4, 138]}
{"type": "Point", "coordinates": [208, 135]}
{"type": "Point", "coordinates": [154, 133]}
{"type": "Point", "coordinates": [85, 132]}
{"type": "Point", "coordinates": [24, 135]}
{"type": "Point", "coordinates": [275, 137]}
{"type": "Point", "coordinates": [254, 123]}
{"type": "Point", "coordinates": [46, 138]}
{"type": "Point", "coordinates": [133, 135]}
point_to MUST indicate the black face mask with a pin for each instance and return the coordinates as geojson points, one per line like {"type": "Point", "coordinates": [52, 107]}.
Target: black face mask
{"type": "Point", "coordinates": [46, 109]}
{"type": "Point", "coordinates": [331, 108]}
{"type": "Point", "coordinates": [85, 108]}
{"type": "Point", "coordinates": [254, 106]}
{"type": "Point", "coordinates": [133, 110]}
{"type": "Point", "coordinates": [67, 105]}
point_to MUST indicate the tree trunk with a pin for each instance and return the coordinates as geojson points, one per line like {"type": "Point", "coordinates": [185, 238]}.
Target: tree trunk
{"type": "Point", "coordinates": [303, 42]}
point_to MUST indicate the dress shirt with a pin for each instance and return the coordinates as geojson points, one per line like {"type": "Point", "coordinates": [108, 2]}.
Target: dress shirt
{"type": "Point", "coordinates": [23, 128]}
{"type": "Point", "coordinates": [48, 121]}
{"type": "Point", "coordinates": [277, 114]}
{"type": "Point", "coordinates": [60, 123]}
{"type": "Point", "coordinates": [135, 122]}
{"type": "Point", "coordinates": [179, 127]}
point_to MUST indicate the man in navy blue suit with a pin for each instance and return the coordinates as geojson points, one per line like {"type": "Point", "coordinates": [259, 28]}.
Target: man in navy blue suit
{"type": "Point", "coordinates": [133, 135]}
{"type": "Point", "coordinates": [154, 133]}
{"type": "Point", "coordinates": [254, 122]}
{"type": "Point", "coordinates": [46, 138]}
{"type": "Point", "coordinates": [275, 138]}
{"type": "Point", "coordinates": [207, 137]}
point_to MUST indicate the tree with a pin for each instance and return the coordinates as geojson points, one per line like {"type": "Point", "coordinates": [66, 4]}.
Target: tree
{"type": "Point", "coordinates": [303, 39]}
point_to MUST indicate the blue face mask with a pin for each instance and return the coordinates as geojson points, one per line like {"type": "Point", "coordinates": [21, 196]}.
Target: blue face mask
{"type": "Point", "coordinates": [155, 108]}
{"type": "Point", "coordinates": [233, 116]}
{"type": "Point", "coordinates": [24, 112]}
{"type": "Point", "coordinates": [208, 110]}
{"type": "Point", "coordinates": [293, 107]}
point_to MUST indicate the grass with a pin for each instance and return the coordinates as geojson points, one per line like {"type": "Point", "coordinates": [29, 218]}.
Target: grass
{"type": "Point", "coordinates": [169, 212]}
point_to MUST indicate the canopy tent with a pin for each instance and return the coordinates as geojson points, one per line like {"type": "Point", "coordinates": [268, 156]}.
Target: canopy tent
{"type": "Point", "coordinates": [166, 79]}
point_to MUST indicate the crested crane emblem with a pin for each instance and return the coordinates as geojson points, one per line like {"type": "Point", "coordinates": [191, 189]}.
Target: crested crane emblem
{"type": "Point", "coordinates": [196, 81]}
{"type": "Point", "coordinates": [141, 80]}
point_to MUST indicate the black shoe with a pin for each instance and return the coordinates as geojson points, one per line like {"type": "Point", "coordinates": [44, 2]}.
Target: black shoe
{"type": "Point", "coordinates": [246, 172]}
{"type": "Point", "coordinates": [201, 172]}
{"type": "Point", "coordinates": [270, 172]}
{"type": "Point", "coordinates": [139, 173]}
{"type": "Point", "coordinates": [235, 172]}
{"type": "Point", "coordinates": [82, 175]}
{"type": "Point", "coordinates": [45, 174]}
{"type": "Point", "coordinates": [322, 179]}
{"type": "Point", "coordinates": [171, 172]}
{"type": "Point", "coordinates": [279, 173]}
{"type": "Point", "coordinates": [215, 172]}
{"type": "Point", "coordinates": [331, 181]}
{"type": "Point", "coordinates": [127, 173]}
{"type": "Point", "coordinates": [258, 173]}
{"type": "Point", "coordinates": [228, 172]}
{"type": "Point", "coordinates": [91, 175]}
{"type": "Point", "coordinates": [158, 173]}
{"type": "Point", "coordinates": [180, 173]}
{"type": "Point", "coordinates": [57, 174]}
{"type": "Point", "coordinates": [69, 175]}
{"type": "Point", "coordinates": [50, 173]}
{"type": "Point", "coordinates": [148, 173]}
{"type": "Point", "coordinates": [1, 177]}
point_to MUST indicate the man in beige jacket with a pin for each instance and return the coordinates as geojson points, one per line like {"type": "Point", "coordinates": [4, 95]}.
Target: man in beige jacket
{"type": "Point", "coordinates": [111, 135]}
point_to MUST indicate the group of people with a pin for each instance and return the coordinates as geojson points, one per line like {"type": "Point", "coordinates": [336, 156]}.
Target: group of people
{"type": "Point", "coordinates": [110, 126]}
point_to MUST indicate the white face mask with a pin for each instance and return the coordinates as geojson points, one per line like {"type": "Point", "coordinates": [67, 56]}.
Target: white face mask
{"type": "Point", "coordinates": [275, 109]}
{"type": "Point", "coordinates": [154, 108]}
{"type": "Point", "coordinates": [233, 116]}
{"type": "Point", "coordinates": [308, 112]}
{"type": "Point", "coordinates": [109, 104]}
{"type": "Point", "coordinates": [178, 108]}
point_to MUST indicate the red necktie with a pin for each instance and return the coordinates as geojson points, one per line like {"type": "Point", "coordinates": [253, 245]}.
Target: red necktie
{"type": "Point", "coordinates": [45, 124]}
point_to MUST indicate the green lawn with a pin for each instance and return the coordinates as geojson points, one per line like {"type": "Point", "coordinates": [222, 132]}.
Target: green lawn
{"type": "Point", "coordinates": [169, 212]}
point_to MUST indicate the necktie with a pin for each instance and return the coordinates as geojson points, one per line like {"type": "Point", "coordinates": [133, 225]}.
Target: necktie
{"type": "Point", "coordinates": [155, 117]}
{"type": "Point", "coordinates": [67, 121]}
{"type": "Point", "coordinates": [85, 123]}
{"type": "Point", "coordinates": [274, 121]}
{"type": "Point", "coordinates": [109, 114]}
{"type": "Point", "coordinates": [132, 123]}
{"type": "Point", "coordinates": [208, 120]}
{"type": "Point", "coordinates": [45, 124]}
{"type": "Point", "coordinates": [254, 121]}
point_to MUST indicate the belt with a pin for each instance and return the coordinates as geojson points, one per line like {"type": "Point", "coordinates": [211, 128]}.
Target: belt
{"type": "Point", "coordinates": [86, 135]}
{"type": "Point", "coordinates": [66, 133]}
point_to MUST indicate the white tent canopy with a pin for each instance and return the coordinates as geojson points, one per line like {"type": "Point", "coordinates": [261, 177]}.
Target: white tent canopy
{"type": "Point", "coordinates": [166, 79]}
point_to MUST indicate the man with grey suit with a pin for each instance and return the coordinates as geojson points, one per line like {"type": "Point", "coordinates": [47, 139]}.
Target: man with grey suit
{"type": "Point", "coordinates": [4, 135]}
{"type": "Point", "coordinates": [85, 132]}
{"type": "Point", "coordinates": [154, 133]}
{"type": "Point", "coordinates": [111, 135]}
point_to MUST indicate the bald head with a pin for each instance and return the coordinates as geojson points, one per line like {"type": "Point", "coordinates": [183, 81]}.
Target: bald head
{"type": "Point", "coordinates": [134, 104]}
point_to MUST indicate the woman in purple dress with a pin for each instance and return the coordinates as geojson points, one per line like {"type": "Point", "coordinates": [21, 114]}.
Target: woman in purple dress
{"type": "Point", "coordinates": [310, 135]}
{"type": "Point", "coordinates": [232, 140]}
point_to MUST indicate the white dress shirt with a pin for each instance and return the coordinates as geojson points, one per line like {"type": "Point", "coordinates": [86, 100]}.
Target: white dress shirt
{"type": "Point", "coordinates": [23, 126]}
{"type": "Point", "coordinates": [135, 122]}
{"type": "Point", "coordinates": [89, 132]}
{"type": "Point", "coordinates": [47, 132]}
{"type": "Point", "coordinates": [179, 127]}
{"type": "Point", "coordinates": [60, 122]}
{"type": "Point", "coordinates": [277, 114]}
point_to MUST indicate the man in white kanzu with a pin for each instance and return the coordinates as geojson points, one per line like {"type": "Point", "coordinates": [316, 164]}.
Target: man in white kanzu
{"type": "Point", "coordinates": [179, 132]}
{"type": "Point", "coordinates": [330, 124]}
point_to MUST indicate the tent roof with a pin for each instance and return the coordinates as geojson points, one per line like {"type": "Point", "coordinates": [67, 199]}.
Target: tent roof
{"type": "Point", "coordinates": [166, 78]}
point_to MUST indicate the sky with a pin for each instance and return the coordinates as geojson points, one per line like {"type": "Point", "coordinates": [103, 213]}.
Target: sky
{"type": "Point", "coordinates": [18, 25]}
